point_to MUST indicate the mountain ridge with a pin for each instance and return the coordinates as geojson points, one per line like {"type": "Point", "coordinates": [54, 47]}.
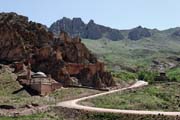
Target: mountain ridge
{"type": "Point", "coordinates": [91, 30]}
{"type": "Point", "coordinates": [77, 27]}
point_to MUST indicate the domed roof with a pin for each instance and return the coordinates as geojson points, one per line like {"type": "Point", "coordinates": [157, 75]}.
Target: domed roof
{"type": "Point", "coordinates": [41, 74]}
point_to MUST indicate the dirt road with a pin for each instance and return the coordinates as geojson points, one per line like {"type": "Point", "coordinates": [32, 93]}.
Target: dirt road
{"type": "Point", "coordinates": [74, 104]}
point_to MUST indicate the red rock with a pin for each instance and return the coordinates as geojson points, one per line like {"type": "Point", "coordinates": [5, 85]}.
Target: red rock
{"type": "Point", "coordinates": [64, 58]}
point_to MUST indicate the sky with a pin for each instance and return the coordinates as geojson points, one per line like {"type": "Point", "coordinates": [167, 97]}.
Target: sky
{"type": "Point", "coordinates": [120, 14]}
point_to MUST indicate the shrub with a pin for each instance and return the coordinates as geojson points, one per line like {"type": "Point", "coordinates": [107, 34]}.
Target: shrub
{"type": "Point", "coordinates": [125, 75]}
{"type": "Point", "coordinates": [174, 74]}
{"type": "Point", "coordinates": [148, 76]}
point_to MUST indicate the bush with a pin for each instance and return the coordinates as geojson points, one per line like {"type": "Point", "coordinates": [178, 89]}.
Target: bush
{"type": "Point", "coordinates": [174, 74]}
{"type": "Point", "coordinates": [125, 75]}
{"type": "Point", "coordinates": [148, 76]}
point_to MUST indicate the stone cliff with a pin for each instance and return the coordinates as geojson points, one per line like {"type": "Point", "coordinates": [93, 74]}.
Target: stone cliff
{"type": "Point", "coordinates": [66, 59]}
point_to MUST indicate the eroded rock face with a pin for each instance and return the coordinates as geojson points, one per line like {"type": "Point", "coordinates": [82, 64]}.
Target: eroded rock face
{"type": "Point", "coordinates": [90, 31]}
{"type": "Point", "coordinates": [66, 59]}
{"type": "Point", "coordinates": [138, 33]}
{"type": "Point", "coordinates": [18, 36]}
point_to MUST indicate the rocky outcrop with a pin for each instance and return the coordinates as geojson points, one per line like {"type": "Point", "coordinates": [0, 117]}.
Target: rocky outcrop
{"type": "Point", "coordinates": [24, 41]}
{"type": "Point", "coordinates": [90, 31]}
{"type": "Point", "coordinates": [18, 36]}
{"type": "Point", "coordinates": [176, 33]}
{"type": "Point", "coordinates": [93, 31]}
{"type": "Point", "coordinates": [74, 27]}
{"type": "Point", "coordinates": [139, 33]}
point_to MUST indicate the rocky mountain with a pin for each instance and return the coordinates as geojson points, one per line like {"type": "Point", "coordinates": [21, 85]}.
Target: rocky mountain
{"type": "Point", "coordinates": [138, 33]}
{"type": "Point", "coordinates": [91, 30]}
{"type": "Point", "coordinates": [66, 59]}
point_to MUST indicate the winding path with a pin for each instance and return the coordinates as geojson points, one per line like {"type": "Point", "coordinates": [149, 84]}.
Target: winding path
{"type": "Point", "coordinates": [73, 104]}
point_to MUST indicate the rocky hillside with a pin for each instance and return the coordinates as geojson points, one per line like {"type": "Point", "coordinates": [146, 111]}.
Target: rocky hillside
{"type": "Point", "coordinates": [66, 59]}
{"type": "Point", "coordinates": [90, 31]}
{"type": "Point", "coordinates": [18, 36]}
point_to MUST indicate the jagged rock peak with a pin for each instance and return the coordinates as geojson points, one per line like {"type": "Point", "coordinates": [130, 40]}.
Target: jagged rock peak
{"type": "Point", "coordinates": [91, 22]}
{"type": "Point", "coordinates": [89, 31]}
{"type": "Point", "coordinates": [139, 27]}
{"type": "Point", "coordinates": [77, 19]}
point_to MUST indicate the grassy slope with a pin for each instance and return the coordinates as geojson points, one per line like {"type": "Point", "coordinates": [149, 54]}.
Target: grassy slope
{"type": "Point", "coordinates": [60, 115]}
{"type": "Point", "coordinates": [42, 116]}
{"type": "Point", "coordinates": [139, 54]}
{"type": "Point", "coordinates": [164, 97]}
{"type": "Point", "coordinates": [134, 53]}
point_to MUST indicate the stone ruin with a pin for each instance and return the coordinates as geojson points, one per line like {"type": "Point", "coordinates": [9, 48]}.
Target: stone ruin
{"type": "Point", "coordinates": [66, 59]}
{"type": "Point", "coordinates": [162, 77]}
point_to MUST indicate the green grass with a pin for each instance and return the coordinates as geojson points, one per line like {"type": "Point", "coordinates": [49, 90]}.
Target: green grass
{"type": "Point", "coordinates": [30, 117]}
{"type": "Point", "coordinates": [83, 115]}
{"type": "Point", "coordinates": [133, 54]}
{"type": "Point", "coordinates": [127, 77]}
{"type": "Point", "coordinates": [148, 76]}
{"type": "Point", "coordinates": [163, 97]}
{"type": "Point", "coordinates": [124, 78]}
{"type": "Point", "coordinates": [8, 85]}
{"type": "Point", "coordinates": [174, 74]}
{"type": "Point", "coordinates": [41, 116]}
{"type": "Point", "coordinates": [129, 60]}
{"type": "Point", "coordinates": [111, 116]}
{"type": "Point", "coordinates": [72, 93]}
{"type": "Point", "coordinates": [74, 114]}
{"type": "Point", "coordinates": [124, 75]}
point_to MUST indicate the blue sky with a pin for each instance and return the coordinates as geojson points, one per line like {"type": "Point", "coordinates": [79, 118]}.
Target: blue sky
{"type": "Point", "coordinates": [121, 14]}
